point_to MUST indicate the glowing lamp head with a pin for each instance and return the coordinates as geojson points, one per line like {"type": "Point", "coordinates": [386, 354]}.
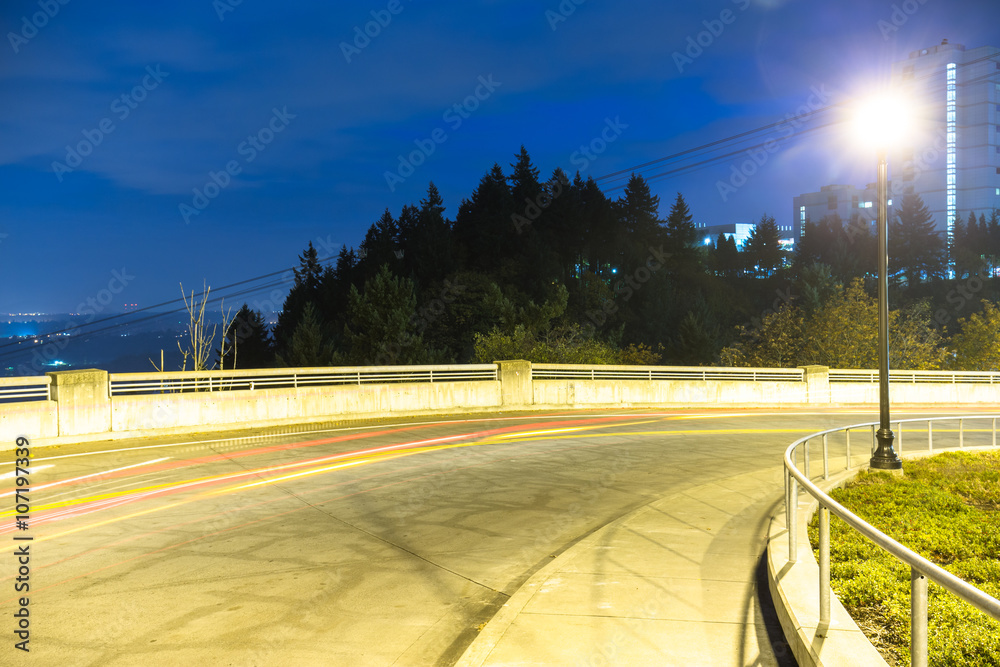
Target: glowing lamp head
{"type": "Point", "coordinates": [882, 122]}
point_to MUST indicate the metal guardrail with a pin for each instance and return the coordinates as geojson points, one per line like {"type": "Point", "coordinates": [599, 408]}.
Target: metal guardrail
{"type": "Point", "coordinates": [292, 378]}
{"type": "Point", "coordinates": [921, 569]}
{"type": "Point", "coordinates": [25, 389]}
{"type": "Point", "coordinates": [916, 377]}
{"type": "Point", "coordinates": [586, 372]}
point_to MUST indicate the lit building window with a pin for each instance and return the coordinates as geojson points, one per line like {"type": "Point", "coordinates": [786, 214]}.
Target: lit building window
{"type": "Point", "coordinates": [952, 171]}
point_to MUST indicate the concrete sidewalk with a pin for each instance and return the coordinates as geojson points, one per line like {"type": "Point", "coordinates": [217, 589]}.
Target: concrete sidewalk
{"type": "Point", "coordinates": [676, 582]}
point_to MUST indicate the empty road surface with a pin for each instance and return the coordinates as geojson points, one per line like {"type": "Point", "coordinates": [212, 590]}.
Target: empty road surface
{"type": "Point", "coordinates": [368, 544]}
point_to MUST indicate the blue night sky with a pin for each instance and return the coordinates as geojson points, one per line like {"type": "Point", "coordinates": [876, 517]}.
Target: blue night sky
{"type": "Point", "coordinates": [162, 95]}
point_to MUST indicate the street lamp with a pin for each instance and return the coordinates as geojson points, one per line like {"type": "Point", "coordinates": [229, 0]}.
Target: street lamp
{"type": "Point", "coordinates": [881, 123]}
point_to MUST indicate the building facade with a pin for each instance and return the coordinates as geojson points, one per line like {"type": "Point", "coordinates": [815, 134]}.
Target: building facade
{"type": "Point", "coordinates": [953, 160]}
{"type": "Point", "coordinates": [954, 164]}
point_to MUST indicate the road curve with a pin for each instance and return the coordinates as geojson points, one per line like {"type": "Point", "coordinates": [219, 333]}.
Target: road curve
{"type": "Point", "coordinates": [371, 544]}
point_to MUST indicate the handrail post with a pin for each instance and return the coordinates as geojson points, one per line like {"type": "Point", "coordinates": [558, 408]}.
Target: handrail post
{"type": "Point", "coordinates": [805, 457]}
{"type": "Point", "coordinates": [848, 432]}
{"type": "Point", "coordinates": [826, 458]}
{"type": "Point", "coordinates": [788, 498]}
{"type": "Point", "coordinates": [918, 619]}
{"type": "Point", "coordinates": [793, 520]}
{"type": "Point", "coordinates": [824, 565]}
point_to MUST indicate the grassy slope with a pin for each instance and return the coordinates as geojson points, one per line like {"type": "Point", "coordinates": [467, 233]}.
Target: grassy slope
{"type": "Point", "coordinates": [946, 508]}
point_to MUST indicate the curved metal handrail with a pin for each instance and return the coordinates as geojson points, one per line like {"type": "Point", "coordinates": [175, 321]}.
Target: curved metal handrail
{"type": "Point", "coordinates": [921, 569]}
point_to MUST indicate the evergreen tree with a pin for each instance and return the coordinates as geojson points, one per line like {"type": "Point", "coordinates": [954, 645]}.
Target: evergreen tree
{"type": "Point", "coordinates": [763, 251]}
{"type": "Point", "coordinates": [916, 249]}
{"type": "Point", "coordinates": [991, 235]}
{"type": "Point", "coordinates": [381, 246]}
{"type": "Point", "coordinates": [248, 343]}
{"type": "Point", "coordinates": [524, 185]}
{"type": "Point", "coordinates": [426, 239]}
{"type": "Point", "coordinates": [639, 211]}
{"type": "Point", "coordinates": [308, 349]}
{"type": "Point", "coordinates": [696, 340]}
{"type": "Point", "coordinates": [601, 228]}
{"type": "Point", "coordinates": [961, 254]}
{"type": "Point", "coordinates": [681, 233]}
{"type": "Point", "coordinates": [726, 256]}
{"type": "Point", "coordinates": [305, 290]}
{"type": "Point", "coordinates": [381, 323]}
{"type": "Point", "coordinates": [485, 232]}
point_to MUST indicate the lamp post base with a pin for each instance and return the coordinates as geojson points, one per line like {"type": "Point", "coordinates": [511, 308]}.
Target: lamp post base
{"type": "Point", "coordinates": [885, 457]}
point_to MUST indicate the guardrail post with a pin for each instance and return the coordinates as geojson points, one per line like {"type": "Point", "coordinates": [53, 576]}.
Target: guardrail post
{"type": "Point", "coordinates": [848, 432]}
{"type": "Point", "coordinates": [930, 435]}
{"type": "Point", "coordinates": [918, 619]}
{"type": "Point", "coordinates": [824, 565]}
{"type": "Point", "coordinates": [82, 403]}
{"type": "Point", "coordinates": [788, 498]}
{"type": "Point", "coordinates": [994, 431]}
{"type": "Point", "coordinates": [805, 457]}
{"type": "Point", "coordinates": [516, 385]}
{"type": "Point", "coordinates": [961, 433]}
{"type": "Point", "coordinates": [793, 520]}
{"type": "Point", "coordinates": [826, 458]}
{"type": "Point", "coordinates": [899, 438]}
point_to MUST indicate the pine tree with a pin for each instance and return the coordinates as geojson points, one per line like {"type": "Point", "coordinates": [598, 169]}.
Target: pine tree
{"type": "Point", "coordinates": [640, 211]}
{"type": "Point", "coordinates": [308, 348]}
{"type": "Point", "coordinates": [305, 290]}
{"type": "Point", "coordinates": [763, 251]}
{"type": "Point", "coordinates": [485, 231]}
{"type": "Point", "coordinates": [524, 185]}
{"type": "Point", "coordinates": [381, 323]}
{"type": "Point", "coordinates": [248, 343]}
{"type": "Point", "coordinates": [381, 246]}
{"type": "Point", "coordinates": [916, 249]}
{"type": "Point", "coordinates": [681, 233]}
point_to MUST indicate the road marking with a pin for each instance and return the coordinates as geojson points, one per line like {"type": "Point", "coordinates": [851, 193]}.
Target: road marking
{"type": "Point", "coordinates": [93, 474]}
{"type": "Point", "coordinates": [31, 469]}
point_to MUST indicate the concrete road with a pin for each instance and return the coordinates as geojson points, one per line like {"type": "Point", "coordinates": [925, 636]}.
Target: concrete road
{"type": "Point", "coordinates": [373, 544]}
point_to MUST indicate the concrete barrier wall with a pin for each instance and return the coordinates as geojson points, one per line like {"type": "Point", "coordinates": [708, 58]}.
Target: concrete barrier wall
{"type": "Point", "coordinates": [82, 407]}
{"type": "Point", "coordinates": [920, 393]}
{"type": "Point", "coordinates": [269, 407]}
{"type": "Point", "coordinates": [33, 420]}
{"type": "Point", "coordinates": [674, 393]}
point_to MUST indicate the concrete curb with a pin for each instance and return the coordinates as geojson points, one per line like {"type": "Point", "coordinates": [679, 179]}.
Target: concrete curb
{"type": "Point", "coordinates": [795, 587]}
{"type": "Point", "coordinates": [479, 650]}
{"type": "Point", "coordinates": [795, 591]}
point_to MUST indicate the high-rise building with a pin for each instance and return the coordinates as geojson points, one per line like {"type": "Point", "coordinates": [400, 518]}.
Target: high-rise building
{"type": "Point", "coordinates": [845, 201]}
{"type": "Point", "coordinates": [953, 159]}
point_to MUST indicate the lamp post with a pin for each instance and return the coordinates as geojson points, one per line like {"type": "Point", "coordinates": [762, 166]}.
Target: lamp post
{"type": "Point", "coordinates": [883, 121]}
{"type": "Point", "coordinates": [885, 457]}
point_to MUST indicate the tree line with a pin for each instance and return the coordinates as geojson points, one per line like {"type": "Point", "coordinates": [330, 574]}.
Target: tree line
{"type": "Point", "coordinates": [554, 270]}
